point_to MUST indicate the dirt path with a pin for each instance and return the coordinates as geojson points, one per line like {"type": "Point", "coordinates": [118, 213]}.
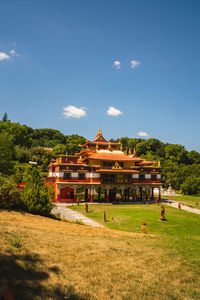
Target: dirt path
{"type": "Point", "coordinates": [65, 212]}
{"type": "Point", "coordinates": [183, 207]}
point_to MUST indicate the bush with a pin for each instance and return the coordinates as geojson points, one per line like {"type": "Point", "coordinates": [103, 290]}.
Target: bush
{"type": "Point", "coordinates": [36, 196]}
{"type": "Point", "coordinates": [191, 185]}
{"type": "Point", "coordinates": [10, 197]}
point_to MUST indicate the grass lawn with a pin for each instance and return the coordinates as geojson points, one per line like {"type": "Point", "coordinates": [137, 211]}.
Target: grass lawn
{"type": "Point", "coordinates": [175, 232]}
{"type": "Point", "coordinates": [42, 258]}
{"type": "Point", "coordinates": [130, 217]}
{"type": "Point", "coordinates": [186, 199]}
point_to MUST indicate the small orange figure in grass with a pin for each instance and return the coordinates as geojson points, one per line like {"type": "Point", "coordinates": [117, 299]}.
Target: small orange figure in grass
{"type": "Point", "coordinates": [162, 218]}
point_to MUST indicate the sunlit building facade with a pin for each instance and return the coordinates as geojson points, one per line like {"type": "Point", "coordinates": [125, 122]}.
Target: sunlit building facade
{"type": "Point", "coordinates": [103, 172]}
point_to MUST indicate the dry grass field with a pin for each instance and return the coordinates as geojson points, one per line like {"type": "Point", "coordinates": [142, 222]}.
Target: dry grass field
{"type": "Point", "coordinates": [42, 258]}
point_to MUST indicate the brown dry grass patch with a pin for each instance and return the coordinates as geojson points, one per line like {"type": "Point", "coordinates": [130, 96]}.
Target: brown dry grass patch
{"type": "Point", "coordinates": [56, 259]}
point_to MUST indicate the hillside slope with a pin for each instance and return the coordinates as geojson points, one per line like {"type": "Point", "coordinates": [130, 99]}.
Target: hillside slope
{"type": "Point", "coordinates": [42, 258]}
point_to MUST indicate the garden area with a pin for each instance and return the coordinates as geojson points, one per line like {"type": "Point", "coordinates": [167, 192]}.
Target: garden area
{"type": "Point", "coordinates": [180, 232]}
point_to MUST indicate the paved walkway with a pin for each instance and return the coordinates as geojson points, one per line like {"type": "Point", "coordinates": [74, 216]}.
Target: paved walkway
{"type": "Point", "coordinates": [64, 212]}
{"type": "Point", "coordinates": [183, 207]}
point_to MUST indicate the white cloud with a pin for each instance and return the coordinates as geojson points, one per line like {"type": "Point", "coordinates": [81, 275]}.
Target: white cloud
{"type": "Point", "coordinates": [117, 64]}
{"type": "Point", "coordinates": [4, 56]}
{"type": "Point", "coordinates": [112, 111]}
{"type": "Point", "coordinates": [142, 133]}
{"type": "Point", "coordinates": [72, 111]}
{"type": "Point", "coordinates": [13, 52]}
{"type": "Point", "coordinates": [134, 63]}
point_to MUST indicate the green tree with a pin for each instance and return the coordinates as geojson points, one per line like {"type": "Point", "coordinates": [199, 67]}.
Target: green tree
{"type": "Point", "coordinates": [6, 153]}
{"type": "Point", "coordinates": [22, 154]}
{"type": "Point", "coordinates": [191, 185]}
{"type": "Point", "coordinates": [5, 117]}
{"type": "Point", "coordinates": [46, 137]}
{"type": "Point", "coordinates": [59, 149]}
{"type": "Point", "coordinates": [19, 133]}
{"type": "Point", "coordinates": [155, 147]}
{"type": "Point", "coordinates": [73, 143]}
{"type": "Point", "coordinates": [176, 153]}
{"type": "Point", "coordinates": [36, 196]}
{"type": "Point", "coordinates": [9, 195]}
{"type": "Point", "coordinates": [141, 148]}
{"type": "Point", "coordinates": [194, 157]}
{"type": "Point", "coordinates": [46, 158]}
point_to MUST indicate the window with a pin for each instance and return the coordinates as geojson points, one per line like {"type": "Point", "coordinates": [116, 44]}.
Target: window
{"type": "Point", "coordinates": [67, 176]}
{"type": "Point", "coordinates": [127, 178]}
{"type": "Point", "coordinates": [107, 164]}
{"type": "Point", "coordinates": [153, 177]}
{"type": "Point", "coordinates": [108, 178]}
{"type": "Point", "coordinates": [81, 176]}
{"type": "Point", "coordinates": [120, 178]}
{"type": "Point", "coordinates": [142, 177]}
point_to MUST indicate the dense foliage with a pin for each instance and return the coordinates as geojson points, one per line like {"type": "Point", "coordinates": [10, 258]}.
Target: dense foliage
{"type": "Point", "coordinates": [10, 197]}
{"type": "Point", "coordinates": [180, 168]}
{"type": "Point", "coordinates": [36, 196]}
{"type": "Point", "coordinates": [20, 144]}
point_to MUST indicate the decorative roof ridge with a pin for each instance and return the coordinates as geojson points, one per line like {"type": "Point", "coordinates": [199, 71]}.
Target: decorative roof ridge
{"type": "Point", "coordinates": [108, 151]}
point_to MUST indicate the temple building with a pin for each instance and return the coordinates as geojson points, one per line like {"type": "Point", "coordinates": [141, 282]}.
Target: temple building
{"type": "Point", "coordinates": [102, 171]}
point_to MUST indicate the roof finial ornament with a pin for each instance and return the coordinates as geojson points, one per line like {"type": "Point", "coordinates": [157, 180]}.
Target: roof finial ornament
{"type": "Point", "coordinates": [121, 148]}
{"type": "Point", "coordinates": [97, 146]}
{"type": "Point", "coordinates": [129, 152]}
{"type": "Point", "coordinates": [99, 133]}
{"type": "Point", "coordinates": [159, 163]}
{"type": "Point", "coordinates": [109, 146]}
{"type": "Point", "coordinates": [134, 152]}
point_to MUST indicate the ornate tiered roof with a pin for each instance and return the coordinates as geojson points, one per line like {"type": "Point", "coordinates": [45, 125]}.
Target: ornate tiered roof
{"type": "Point", "coordinates": [99, 141]}
{"type": "Point", "coordinates": [113, 155]}
{"type": "Point", "coordinates": [103, 150]}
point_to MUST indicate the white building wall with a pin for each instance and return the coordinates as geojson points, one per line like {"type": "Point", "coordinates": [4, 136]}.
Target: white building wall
{"type": "Point", "coordinates": [59, 174]}
{"type": "Point", "coordinates": [74, 175]}
{"type": "Point", "coordinates": [147, 176]}
{"type": "Point", "coordinates": [135, 176]}
{"type": "Point", "coordinates": [92, 175]}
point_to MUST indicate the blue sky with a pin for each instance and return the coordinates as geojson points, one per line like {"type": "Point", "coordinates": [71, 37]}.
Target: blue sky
{"type": "Point", "coordinates": [137, 60]}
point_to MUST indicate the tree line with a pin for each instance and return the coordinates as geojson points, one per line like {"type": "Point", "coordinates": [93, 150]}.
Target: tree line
{"type": "Point", "coordinates": [20, 144]}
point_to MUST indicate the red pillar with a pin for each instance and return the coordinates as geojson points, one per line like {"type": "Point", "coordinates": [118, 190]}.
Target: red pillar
{"type": "Point", "coordinates": [57, 194]}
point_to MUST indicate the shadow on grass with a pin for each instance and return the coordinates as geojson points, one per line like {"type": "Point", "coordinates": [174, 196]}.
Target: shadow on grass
{"type": "Point", "coordinates": [25, 280]}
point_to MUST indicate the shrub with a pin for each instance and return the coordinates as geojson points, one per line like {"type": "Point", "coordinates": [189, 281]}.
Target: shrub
{"type": "Point", "coordinates": [191, 185]}
{"type": "Point", "coordinates": [10, 197]}
{"type": "Point", "coordinates": [36, 196]}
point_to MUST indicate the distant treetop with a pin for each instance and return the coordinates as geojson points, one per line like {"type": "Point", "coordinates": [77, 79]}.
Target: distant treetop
{"type": "Point", "coordinates": [5, 117]}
